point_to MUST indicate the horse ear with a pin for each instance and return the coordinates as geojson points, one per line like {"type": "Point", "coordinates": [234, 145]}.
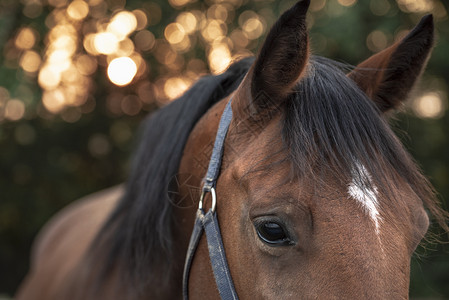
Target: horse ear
{"type": "Point", "coordinates": [284, 54]}
{"type": "Point", "coordinates": [282, 58]}
{"type": "Point", "coordinates": [388, 76]}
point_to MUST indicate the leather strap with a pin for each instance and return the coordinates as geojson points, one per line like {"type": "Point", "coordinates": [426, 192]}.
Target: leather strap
{"type": "Point", "coordinates": [217, 153]}
{"type": "Point", "coordinates": [208, 223]}
{"type": "Point", "coordinates": [193, 244]}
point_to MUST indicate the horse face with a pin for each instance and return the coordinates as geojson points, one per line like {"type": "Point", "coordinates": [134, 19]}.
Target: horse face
{"type": "Point", "coordinates": [318, 233]}
{"type": "Point", "coordinates": [301, 239]}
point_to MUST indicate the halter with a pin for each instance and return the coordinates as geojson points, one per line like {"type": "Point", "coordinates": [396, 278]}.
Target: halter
{"type": "Point", "coordinates": [208, 222]}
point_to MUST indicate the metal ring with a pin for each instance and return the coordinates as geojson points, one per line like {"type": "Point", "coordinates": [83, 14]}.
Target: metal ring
{"type": "Point", "coordinates": [214, 199]}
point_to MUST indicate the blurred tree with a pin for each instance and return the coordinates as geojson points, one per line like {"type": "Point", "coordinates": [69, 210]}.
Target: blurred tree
{"type": "Point", "coordinates": [76, 77]}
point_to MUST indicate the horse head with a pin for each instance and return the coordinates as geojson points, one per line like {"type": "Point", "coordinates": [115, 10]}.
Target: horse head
{"type": "Point", "coordinates": [316, 199]}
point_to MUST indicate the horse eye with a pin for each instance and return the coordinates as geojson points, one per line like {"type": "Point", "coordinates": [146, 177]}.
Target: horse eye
{"type": "Point", "coordinates": [273, 234]}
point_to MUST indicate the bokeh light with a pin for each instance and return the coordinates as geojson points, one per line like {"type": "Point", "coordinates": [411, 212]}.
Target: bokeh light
{"type": "Point", "coordinates": [144, 40]}
{"type": "Point", "coordinates": [178, 3]}
{"type": "Point", "coordinates": [219, 58]}
{"type": "Point", "coordinates": [416, 5]}
{"type": "Point", "coordinates": [141, 19]}
{"type": "Point", "coordinates": [174, 87]}
{"type": "Point", "coordinates": [122, 70]}
{"type": "Point", "coordinates": [86, 36]}
{"type": "Point", "coordinates": [174, 33]}
{"type": "Point", "coordinates": [14, 110]}
{"type": "Point", "coordinates": [30, 61]}
{"type": "Point", "coordinates": [26, 38]}
{"type": "Point", "coordinates": [377, 41]}
{"type": "Point", "coordinates": [122, 24]}
{"type": "Point", "coordinates": [347, 2]}
{"type": "Point", "coordinates": [430, 105]}
{"type": "Point", "coordinates": [106, 43]}
{"type": "Point", "coordinates": [188, 21]}
{"type": "Point", "coordinates": [78, 10]}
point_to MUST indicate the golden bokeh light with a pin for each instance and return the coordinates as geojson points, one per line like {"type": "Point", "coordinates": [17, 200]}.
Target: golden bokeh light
{"type": "Point", "coordinates": [49, 77]}
{"type": "Point", "coordinates": [244, 16]}
{"type": "Point", "coordinates": [347, 2]}
{"type": "Point", "coordinates": [66, 42]}
{"type": "Point", "coordinates": [239, 38]}
{"type": "Point", "coordinates": [376, 41]}
{"type": "Point", "coordinates": [178, 3]}
{"type": "Point", "coordinates": [146, 92]}
{"type": "Point", "coordinates": [141, 19]}
{"type": "Point", "coordinates": [64, 70]}
{"type": "Point", "coordinates": [430, 105]}
{"type": "Point", "coordinates": [162, 60]}
{"type": "Point", "coordinates": [78, 10]}
{"type": "Point", "coordinates": [56, 17]}
{"type": "Point", "coordinates": [4, 96]}
{"type": "Point", "coordinates": [439, 11]}
{"type": "Point", "coordinates": [183, 46]}
{"type": "Point", "coordinates": [59, 60]}
{"type": "Point", "coordinates": [30, 61]}
{"type": "Point", "coordinates": [26, 38]}
{"type": "Point", "coordinates": [219, 58]}
{"type": "Point", "coordinates": [218, 12]}
{"type": "Point", "coordinates": [164, 53]}
{"type": "Point", "coordinates": [95, 2]}
{"type": "Point", "coordinates": [188, 21]}
{"type": "Point", "coordinates": [175, 87]}
{"type": "Point", "coordinates": [122, 24]}
{"type": "Point", "coordinates": [416, 5]}
{"type": "Point", "coordinates": [62, 30]}
{"type": "Point", "coordinates": [144, 40]}
{"type": "Point", "coordinates": [89, 44]}
{"type": "Point", "coordinates": [70, 76]}
{"type": "Point", "coordinates": [14, 110]}
{"type": "Point", "coordinates": [213, 30]}
{"type": "Point", "coordinates": [106, 43]}
{"type": "Point", "coordinates": [32, 9]}
{"type": "Point", "coordinates": [174, 33]}
{"type": "Point", "coordinates": [53, 100]}
{"type": "Point", "coordinates": [125, 48]}
{"type": "Point", "coordinates": [86, 64]}
{"type": "Point", "coordinates": [253, 27]}
{"type": "Point", "coordinates": [140, 63]}
{"type": "Point", "coordinates": [121, 71]}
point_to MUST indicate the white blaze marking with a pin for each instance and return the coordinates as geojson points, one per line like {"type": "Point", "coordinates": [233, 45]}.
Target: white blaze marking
{"type": "Point", "coordinates": [362, 190]}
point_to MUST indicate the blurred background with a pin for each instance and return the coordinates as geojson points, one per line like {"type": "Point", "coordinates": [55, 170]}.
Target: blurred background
{"type": "Point", "coordinates": [77, 77]}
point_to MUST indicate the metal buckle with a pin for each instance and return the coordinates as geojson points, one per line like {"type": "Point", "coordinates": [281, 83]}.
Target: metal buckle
{"type": "Point", "coordinates": [214, 198]}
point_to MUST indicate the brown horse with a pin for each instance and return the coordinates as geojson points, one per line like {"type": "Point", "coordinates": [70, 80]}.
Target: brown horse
{"type": "Point", "coordinates": [316, 197]}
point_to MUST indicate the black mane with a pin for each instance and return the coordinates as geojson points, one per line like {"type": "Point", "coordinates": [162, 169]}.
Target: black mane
{"type": "Point", "coordinates": [138, 234]}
